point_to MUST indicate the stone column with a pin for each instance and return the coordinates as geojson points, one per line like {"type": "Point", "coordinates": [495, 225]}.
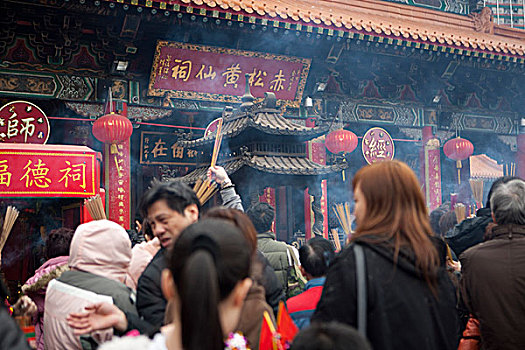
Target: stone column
{"type": "Point", "coordinates": [520, 154]}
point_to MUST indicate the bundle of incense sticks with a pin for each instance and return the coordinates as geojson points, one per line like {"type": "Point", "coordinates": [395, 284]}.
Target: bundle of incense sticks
{"type": "Point", "coordinates": [342, 212]}
{"type": "Point", "coordinates": [459, 210]}
{"type": "Point", "coordinates": [510, 169]}
{"type": "Point", "coordinates": [217, 145]}
{"type": "Point", "coordinates": [337, 242]}
{"type": "Point", "coordinates": [95, 207]}
{"type": "Point", "coordinates": [205, 189]}
{"type": "Point", "coordinates": [10, 217]}
{"type": "Point", "coordinates": [477, 191]}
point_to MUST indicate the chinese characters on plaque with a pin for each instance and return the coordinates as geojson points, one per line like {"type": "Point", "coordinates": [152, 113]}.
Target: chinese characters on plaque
{"type": "Point", "coordinates": [217, 74]}
{"type": "Point", "coordinates": [118, 171]}
{"type": "Point", "coordinates": [377, 145]}
{"type": "Point", "coordinates": [23, 122]}
{"type": "Point", "coordinates": [47, 173]}
{"type": "Point", "coordinates": [162, 148]}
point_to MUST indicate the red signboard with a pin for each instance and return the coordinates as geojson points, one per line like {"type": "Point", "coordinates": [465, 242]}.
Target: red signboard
{"type": "Point", "coordinates": [118, 174]}
{"type": "Point", "coordinates": [218, 74]}
{"type": "Point", "coordinates": [48, 171]}
{"type": "Point", "coordinates": [377, 145]}
{"type": "Point", "coordinates": [23, 122]}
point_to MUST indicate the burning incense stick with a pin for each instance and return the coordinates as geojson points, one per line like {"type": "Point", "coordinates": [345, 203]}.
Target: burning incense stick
{"type": "Point", "coordinates": [205, 189]}
{"type": "Point", "coordinates": [342, 212]}
{"type": "Point", "coordinates": [477, 192]}
{"type": "Point", "coordinates": [95, 207]}
{"type": "Point", "coordinates": [10, 217]}
{"type": "Point", "coordinates": [337, 242]}
{"type": "Point", "coordinates": [217, 145]}
{"type": "Point", "coordinates": [459, 210]}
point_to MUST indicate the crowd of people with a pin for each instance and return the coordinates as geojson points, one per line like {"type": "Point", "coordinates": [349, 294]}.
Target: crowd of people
{"type": "Point", "coordinates": [406, 279]}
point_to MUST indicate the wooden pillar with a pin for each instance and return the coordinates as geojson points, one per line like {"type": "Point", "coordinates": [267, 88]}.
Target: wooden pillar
{"type": "Point", "coordinates": [520, 154]}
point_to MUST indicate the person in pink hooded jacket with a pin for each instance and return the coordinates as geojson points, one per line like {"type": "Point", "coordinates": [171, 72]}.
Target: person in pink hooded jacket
{"type": "Point", "coordinates": [57, 245]}
{"type": "Point", "coordinates": [99, 259]}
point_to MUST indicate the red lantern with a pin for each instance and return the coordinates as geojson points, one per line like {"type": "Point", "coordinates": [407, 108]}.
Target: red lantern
{"type": "Point", "coordinates": [341, 141]}
{"type": "Point", "coordinates": [458, 149]}
{"type": "Point", "coordinates": [112, 129]}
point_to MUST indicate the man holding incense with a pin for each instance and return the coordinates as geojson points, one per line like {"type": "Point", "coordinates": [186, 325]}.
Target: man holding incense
{"type": "Point", "coordinates": [170, 208]}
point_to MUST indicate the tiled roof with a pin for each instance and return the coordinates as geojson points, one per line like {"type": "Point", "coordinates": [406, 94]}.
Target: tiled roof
{"type": "Point", "coordinates": [378, 18]}
{"type": "Point", "coordinates": [278, 165]}
{"type": "Point", "coordinates": [484, 167]}
{"type": "Point", "coordinates": [266, 121]}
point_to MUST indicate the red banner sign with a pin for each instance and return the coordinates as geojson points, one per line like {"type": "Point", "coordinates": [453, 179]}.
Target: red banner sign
{"type": "Point", "coordinates": [209, 73]}
{"type": "Point", "coordinates": [23, 122]}
{"type": "Point", "coordinates": [118, 174]}
{"type": "Point", "coordinates": [49, 171]}
{"type": "Point", "coordinates": [377, 145]}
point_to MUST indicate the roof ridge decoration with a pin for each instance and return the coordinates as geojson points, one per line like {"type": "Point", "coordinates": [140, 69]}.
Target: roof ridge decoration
{"type": "Point", "coordinates": [263, 116]}
{"type": "Point", "coordinates": [278, 165]}
{"type": "Point", "coordinates": [372, 20]}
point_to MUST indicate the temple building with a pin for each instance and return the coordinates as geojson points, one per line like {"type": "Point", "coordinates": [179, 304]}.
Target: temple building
{"type": "Point", "coordinates": [404, 76]}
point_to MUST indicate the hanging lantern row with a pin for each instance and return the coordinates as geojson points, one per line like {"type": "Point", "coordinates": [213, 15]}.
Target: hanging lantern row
{"type": "Point", "coordinates": [112, 129]}
{"type": "Point", "coordinates": [458, 149]}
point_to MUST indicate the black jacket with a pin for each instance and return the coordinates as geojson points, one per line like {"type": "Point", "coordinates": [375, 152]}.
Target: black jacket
{"type": "Point", "coordinates": [151, 303]}
{"type": "Point", "coordinates": [469, 232]}
{"type": "Point", "coordinates": [402, 312]}
{"type": "Point", "coordinates": [274, 291]}
{"type": "Point", "coordinates": [11, 337]}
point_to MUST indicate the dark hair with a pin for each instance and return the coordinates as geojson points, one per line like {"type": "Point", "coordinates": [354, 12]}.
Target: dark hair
{"type": "Point", "coordinates": [447, 221]}
{"type": "Point", "coordinates": [135, 237]}
{"type": "Point", "coordinates": [330, 336]}
{"type": "Point", "coordinates": [178, 196]}
{"type": "Point", "coordinates": [496, 183]}
{"type": "Point", "coordinates": [146, 229]}
{"type": "Point", "coordinates": [240, 220]}
{"type": "Point", "coordinates": [315, 256]}
{"type": "Point", "coordinates": [58, 242]}
{"type": "Point", "coordinates": [207, 261]}
{"type": "Point", "coordinates": [435, 216]}
{"type": "Point", "coordinates": [262, 216]}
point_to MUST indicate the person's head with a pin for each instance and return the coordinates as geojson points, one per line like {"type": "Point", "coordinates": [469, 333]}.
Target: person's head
{"type": "Point", "coordinates": [170, 207]}
{"type": "Point", "coordinates": [58, 242]}
{"type": "Point", "coordinates": [447, 221]}
{"type": "Point", "coordinates": [330, 336]}
{"type": "Point", "coordinates": [208, 280]}
{"type": "Point", "coordinates": [508, 203]}
{"type": "Point", "coordinates": [101, 247]}
{"type": "Point", "coordinates": [495, 184]}
{"type": "Point", "coordinates": [315, 256]}
{"type": "Point", "coordinates": [389, 204]}
{"type": "Point", "coordinates": [240, 220]}
{"type": "Point", "coordinates": [435, 216]}
{"type": "Point", "coordinates": [146, 230]}
{"type": "Point", "coordinates": [262, 216]}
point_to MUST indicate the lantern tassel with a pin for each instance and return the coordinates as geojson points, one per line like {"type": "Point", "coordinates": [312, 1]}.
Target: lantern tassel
{"type": "Point", "coordinates": [344, 178]}
{"type": "Point", "coordinates": [118, 168]}
{"type": "Point", "coordinates": [459, 166]}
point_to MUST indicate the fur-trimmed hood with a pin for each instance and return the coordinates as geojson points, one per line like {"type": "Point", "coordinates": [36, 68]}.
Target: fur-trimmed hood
{"type": "Point", "coordinates": [50, 270]}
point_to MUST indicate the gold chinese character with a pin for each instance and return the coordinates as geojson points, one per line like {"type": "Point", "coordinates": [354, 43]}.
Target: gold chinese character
{"type": "Point", "coordinates": [121, 218]}
{"type": "Point", "coordinates": [120, 197]}
{"type": "Point", "coordinates": [75, 172]}
{"type": "Point", "coordinates": [255, 77]}
{"type": "Point", "coordinates": [178, 152]}
{"type": "Point", "coordinates": [5, 176]}
{"type": "Point", "coordinates": [181, 70]}
{"type": "Point", "coordinates": [121, 211]}
{"type": "Point", "coordinates": [12, 130]}
{"type": "Point", "coordinates": [121, 204]}
{"type": "Point", "coordinates": [232, 75]}
{"type": "Point", "coordinates": [192, 153]}
{"type": "Point", "coordinates": [277, 83]}
{"type": "Point", "coordinates": [159, 149]}
{"type": "Point", "coordinates": [36, 175]}
{"type": "Point", "coordinates": [27, 129]}
{"type": "Point", "coordinates": [202, 75]}
{"type": "Point", "coordinates": [120, 189]}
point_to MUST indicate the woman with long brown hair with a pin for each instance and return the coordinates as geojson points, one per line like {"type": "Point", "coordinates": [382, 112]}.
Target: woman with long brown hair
{"type": "Point", "coordinates": [409, 299]}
